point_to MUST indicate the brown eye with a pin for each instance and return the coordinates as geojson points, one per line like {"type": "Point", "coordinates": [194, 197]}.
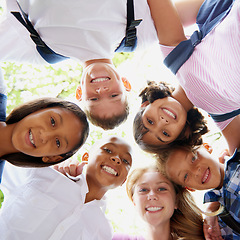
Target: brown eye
{"type": "Point", "coordinates": [150, 121]}
{"type": "Point", "coordinates": [166, 134]}
{"type": "Point", "coordinates": [58, 143]}
{"type": "Point", "coordinates": [107, 150]}
{"type": "Point", "coordinates": [53, 122]}
{"type": "Point", "coordinates": [93, 99]}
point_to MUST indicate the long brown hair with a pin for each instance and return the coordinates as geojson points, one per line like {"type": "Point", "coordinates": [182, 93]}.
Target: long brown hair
{"type": "Point", "coordinates": [20, 112]}
{"type": "Point", "coordinates": [186, 221]}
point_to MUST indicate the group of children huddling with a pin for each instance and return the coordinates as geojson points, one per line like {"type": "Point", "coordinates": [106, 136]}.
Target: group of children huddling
{"type": "Point", "coordinates": [67, 201]}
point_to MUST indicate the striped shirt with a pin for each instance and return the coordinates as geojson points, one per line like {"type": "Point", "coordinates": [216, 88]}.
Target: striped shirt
{"type": "Point", "coordinates": [211, 76]}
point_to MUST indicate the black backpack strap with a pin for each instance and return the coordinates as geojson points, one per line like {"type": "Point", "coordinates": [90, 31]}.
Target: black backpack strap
{"type": "Point", "coordinates": [225, 116]}
{"type": "Point", "coordinates": [48, 54]}
{"type": "Point", "coordinates": [230, 221]}
{"type": "Point", "coordinates": [129, 42]}
{"type": "Point", "coordinates": [210, 13]}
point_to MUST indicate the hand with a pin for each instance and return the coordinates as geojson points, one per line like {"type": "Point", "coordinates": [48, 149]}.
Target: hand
{"type": "Point", "coordinates": [71, 167]}
{"type": "Point", "coordinates": [211, 228]}
{"type": "Point", "coordinates": [225, 153]}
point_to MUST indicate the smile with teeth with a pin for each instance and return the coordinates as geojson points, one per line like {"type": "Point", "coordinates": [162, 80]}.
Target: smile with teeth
{"type": "Point", "coordinates": [171, 114]}
{"type": "Point", "coordinates": [153, 209]}
{"type": "Point", "coordinates": [205, 177]}
{"type": "Point", "coordinates": [109, 170]}
{"type": "Point", "coordinates": [31, 138]}
{"type": "Point", "coordinates": [100, 79]}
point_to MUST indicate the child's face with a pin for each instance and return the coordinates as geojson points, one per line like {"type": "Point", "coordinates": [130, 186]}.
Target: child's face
{"type": "Point", "coordinates": [47, 132]}
{"type": "Point", "coordinates": [164, 120]}
{"type": "Point", "coordinates": [103, 92]}
{"type": "Point", "coordinates": [110, 163]}
{"type": "Point", "coordinates": [155, 198]}
{"type": "Point", "coordinates": [194, 170]}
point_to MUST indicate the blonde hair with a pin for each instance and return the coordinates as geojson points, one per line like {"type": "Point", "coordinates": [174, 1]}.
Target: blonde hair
{"type": "Point", "coordinates": [187, 221]}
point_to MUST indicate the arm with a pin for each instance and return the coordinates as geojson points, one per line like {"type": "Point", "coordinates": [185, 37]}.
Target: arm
{"type": "Point", "coordinates": [232, 134]}
{"type": "Point", "coordinates": [167, 22]}
{"type": "Point", "coordinates": [188, 10]}
{"type": "Point", "coordinates": [211, 227]}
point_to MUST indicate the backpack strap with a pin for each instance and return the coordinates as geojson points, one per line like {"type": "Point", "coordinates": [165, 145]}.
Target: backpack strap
{"type": "Point", "coordinates": [47, 54]}
{"type": "Point", "coordinates": [129, 42]}
{"type": "Point", "coordinates": [225, 116]}
{"type": "Point", "coordinates": [210, 13]}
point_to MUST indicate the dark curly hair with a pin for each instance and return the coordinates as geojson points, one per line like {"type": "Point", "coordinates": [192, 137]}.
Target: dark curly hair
{"type": "Point", "coordinates": [20, 112]}
{"type": "Point", "coordinates": [191, 135]}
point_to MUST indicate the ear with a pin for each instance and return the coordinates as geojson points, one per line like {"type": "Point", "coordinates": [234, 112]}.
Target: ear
{"type": "Point", "coordinates": [51, 159]}
{"type": "Point", "coordinates": [190, 189]}
{"type": "Point", "coordinates": [85, 157]}
{"type": "Point", "coordinates": [144, 104]}
{"type": "Point", "coordinates": [79, 93]}
{"type": "Point", "coordinates": [208, 147]}
{"type": "Point", "coordinates": [133, 201]}
{"type": "Point", "coordinates": [126, 84]}
{"type": "Point", "coordinates": [124, 181]}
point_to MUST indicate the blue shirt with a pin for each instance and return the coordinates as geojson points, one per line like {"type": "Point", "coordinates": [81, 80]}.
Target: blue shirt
{"type": "Point", "coordinates": [228, 195]}
{"type": "Point", "coordinates": [3, 106]}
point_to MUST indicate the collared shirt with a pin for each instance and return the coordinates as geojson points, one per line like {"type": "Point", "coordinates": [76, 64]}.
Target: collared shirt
{"type": "Point", "coordinates": [210, 77]}
{"type": "Point", "coordinates": [228, 195]}
{"type": "Point", "coordinates": [49, 206]}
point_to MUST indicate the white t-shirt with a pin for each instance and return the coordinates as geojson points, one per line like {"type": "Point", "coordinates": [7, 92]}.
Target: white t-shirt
{"type": "Point", "coordinates": [81, 29]}
{"type": "Point", "coordinates": [47, 205]}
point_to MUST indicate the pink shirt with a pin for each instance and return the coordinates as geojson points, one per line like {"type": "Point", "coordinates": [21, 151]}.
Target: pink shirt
{"type": "Point", "coordinates": [211, 76]}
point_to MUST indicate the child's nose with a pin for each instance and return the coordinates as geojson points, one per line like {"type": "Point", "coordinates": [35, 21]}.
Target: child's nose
{"type": "Point", "coordinates": [45, 136]}
{"type": "Point", "coordinates": [152, 196]}
{"type": "Point", "coordinates": [116, 159]}
{"type": "Point", "coordinates": [163, 119]}
{"type": "Point", "coordinates": [101, 89]}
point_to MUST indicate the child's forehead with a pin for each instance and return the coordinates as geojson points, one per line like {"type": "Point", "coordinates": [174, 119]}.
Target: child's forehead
{"type": "Point", "coordinates": [115, 141]}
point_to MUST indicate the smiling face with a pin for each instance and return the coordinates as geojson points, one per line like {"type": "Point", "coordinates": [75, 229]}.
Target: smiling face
{"type": "Point", "coordinates": [194, 170]}
{"type": "Point", "coordinates": [47, 132]}
{"type": "Point", "coordinates": [103, 92]}
{"type": "Point", "coordinates": [155, 198]}
{"type": "Point", "coordinates": [164, 119]}
{"type": "Point", "coordinates": [109, 163]}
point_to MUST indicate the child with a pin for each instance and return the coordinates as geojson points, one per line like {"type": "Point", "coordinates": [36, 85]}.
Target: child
{"type": "Point", "coordinates": [168, 209]}
{"type": "Point", "coordinates": [83, 31]}
{"type": "Point", "coordinates": [42, 132]}
{"type": "Point", "coordinates": [50, 206]}
{"type": "Point", "coordinates": [167, 118]}
{"type": "Point", "coordinates": [209, 77]}
{"type": "Point", "coordinates": [198, 170]}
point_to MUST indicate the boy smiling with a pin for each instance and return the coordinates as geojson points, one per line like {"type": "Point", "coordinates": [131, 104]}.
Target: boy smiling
{"type": "Point", "coordinates": [51, 206]}
{"type": "Point", "coordinates": [199, 170]}
{"type": "Point", "coordinates": [103, 93]}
